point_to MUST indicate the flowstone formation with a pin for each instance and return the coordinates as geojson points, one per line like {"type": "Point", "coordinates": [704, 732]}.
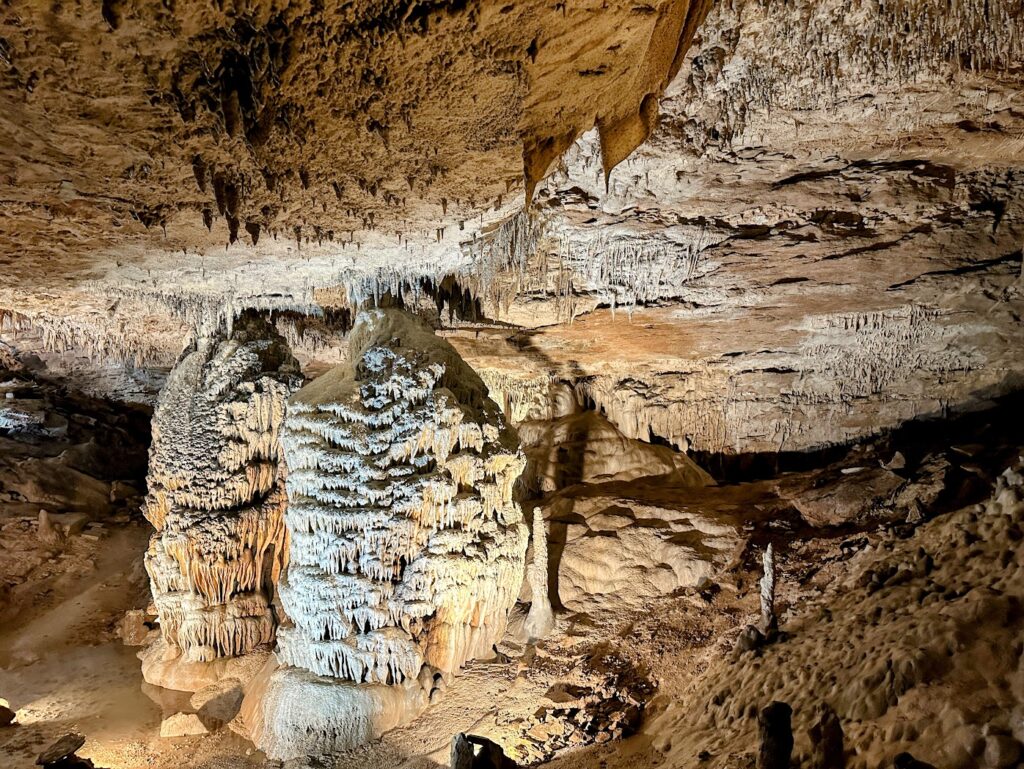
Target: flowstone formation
{"type": "Point", "coordinates": [217, 497]}
{"type": "Point", "coordinates": [406, 546]}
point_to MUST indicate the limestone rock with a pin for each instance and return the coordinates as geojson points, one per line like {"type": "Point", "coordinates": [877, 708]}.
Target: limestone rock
{"type": "Point", "coordinates": [132, 628]}
{"type": "Point", "coordinates": [776, 735]}
{"type": "Point", "coordinates": [617, 552]}
{"type": "Point", "coordinates": [163, 665]}
{"type": "Point", "coordinates": [826, 736]}
{"type": "Point", "coordinates": [50, 482]}
{"type": "Point", "coordinates": [461, 754]}
{"type": "Point", "coordinates": [860, 498]}
{"type": "Point", "coordinates": [218, 703]}
{"type": "Point", "coordinates": [47, 532]}
{"type": "Point", "coordinates": [182, 725]}
{"type": "Point", "coordinates": [585, 447]}
{"type": "Point", "coordinates": [300, 713]}
{"type": "Point", "coordinates": [63, 748]}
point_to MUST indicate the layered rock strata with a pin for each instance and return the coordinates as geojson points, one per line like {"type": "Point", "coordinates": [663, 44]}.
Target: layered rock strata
{"type": "Point", "coordinates": [406, 546]}
{"type": "Point", "coordinates": [216, 492]}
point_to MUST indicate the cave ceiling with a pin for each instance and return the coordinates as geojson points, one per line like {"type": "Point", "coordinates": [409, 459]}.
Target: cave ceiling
{"type": "Point", "coordinates": [133, 131]}
{"type": "Point", "coordinates": [771, 225]}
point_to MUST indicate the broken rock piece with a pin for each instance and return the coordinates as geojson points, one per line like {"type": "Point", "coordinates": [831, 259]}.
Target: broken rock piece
{"type": "Point", "coordinates": [182, 725]}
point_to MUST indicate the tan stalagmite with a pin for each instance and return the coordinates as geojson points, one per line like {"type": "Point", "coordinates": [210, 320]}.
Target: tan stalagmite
{"type": "Point", "coordinates": [541, 619]}
{"type": "Point", "coordinates": [406, 546]}
{"type": "Point", "coordinates": [216, 492]}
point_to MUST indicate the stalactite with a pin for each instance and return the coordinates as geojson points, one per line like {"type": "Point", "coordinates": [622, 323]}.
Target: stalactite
{"type": "Point", "coordinates": [497, 272]}
{"type": "Point", "coordinates": [116, 336]}
{"type": "Point", "coordinates": [216, 491]}
{"type": "Point", "coordinates": [629, 271]}
{"type": "Point", "coordinates": [818, 55]}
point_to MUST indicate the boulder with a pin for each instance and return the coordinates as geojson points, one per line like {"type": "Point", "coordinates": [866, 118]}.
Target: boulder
{"type": "Point", "coordinates": [218, 703]}
{"type": "Point", "coordinates": [182, 725]}
{"type": "Point", "coordinates": [165, 666]}
{"type": "Point", "coordinates": [608, 552]}
{"type": "Point", "coordinates": [861, 497]}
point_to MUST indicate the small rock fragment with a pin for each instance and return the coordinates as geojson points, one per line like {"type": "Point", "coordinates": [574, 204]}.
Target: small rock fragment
{"type": "Point", "coordinates": [132, 628]}
{"type": "Point", "coordinates": [750, 638]}
{"type": "Point", "coordinates": [61, 749]}
{"type": "Point", "coordinates": [182, 725]}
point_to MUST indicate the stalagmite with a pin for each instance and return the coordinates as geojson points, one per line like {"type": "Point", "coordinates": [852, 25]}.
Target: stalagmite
{"type": "Point", "coordinates": [769, 624]}
{"type": "Point", "coordinates": [216, 492]}
{"type": "Point", "coordinates": [540, 620]}
{"type": "Point", "coordinates": [406, 546]}
{"type": "Point", "coordinates": [826, 736]}
{"type": "Point", "coordinates": [776, 735]}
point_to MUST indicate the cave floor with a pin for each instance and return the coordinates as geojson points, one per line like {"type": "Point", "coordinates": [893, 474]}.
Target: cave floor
{"type": "Point", "coordinates": [63, 666]}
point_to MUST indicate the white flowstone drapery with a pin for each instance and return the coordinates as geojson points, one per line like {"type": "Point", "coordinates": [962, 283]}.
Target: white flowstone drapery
{"type": "Point", "coordinates": [406, 546]}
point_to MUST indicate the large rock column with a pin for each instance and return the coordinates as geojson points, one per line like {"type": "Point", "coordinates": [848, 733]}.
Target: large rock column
{"type": "Point", "coordinates": [216, 496]}
{"type": "Point", "coordinates": [406, 547]}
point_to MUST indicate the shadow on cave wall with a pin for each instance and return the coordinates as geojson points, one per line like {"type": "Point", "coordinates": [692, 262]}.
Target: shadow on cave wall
{"type": "Point", "coordinates": [992, 421]}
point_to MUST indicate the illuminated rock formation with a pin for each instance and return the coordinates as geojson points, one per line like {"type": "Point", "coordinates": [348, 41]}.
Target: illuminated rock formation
{"type": "Point", "coordinates": [406, 547]}
{"type": "Point", "coordinates": [541, 619]}
{"type": "Point", "coordinates": [216, 492]}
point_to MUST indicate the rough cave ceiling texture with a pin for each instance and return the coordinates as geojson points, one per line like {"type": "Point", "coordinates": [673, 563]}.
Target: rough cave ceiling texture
{"type": "Point", "coordinates": [381, 125]}
{"type": "Point", "coordinates": [820, 237]}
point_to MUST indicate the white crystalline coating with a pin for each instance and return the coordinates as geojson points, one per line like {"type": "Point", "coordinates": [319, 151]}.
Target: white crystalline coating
{"type": "Point", "coordinates": [406, 546]}
{"type": "Point", "coordinates": [216, 491]}
{"type": "Point", "coordinates": [767, 585]}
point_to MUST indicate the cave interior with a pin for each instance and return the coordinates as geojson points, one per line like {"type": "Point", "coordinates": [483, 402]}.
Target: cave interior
{"type": "Point", "coordinates": [487, 385]}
